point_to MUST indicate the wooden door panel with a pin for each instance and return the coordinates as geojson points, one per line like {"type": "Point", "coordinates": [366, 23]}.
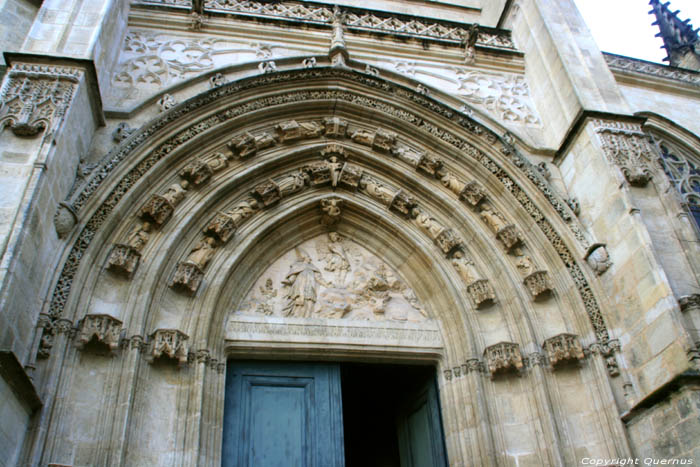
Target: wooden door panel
{"type": "Point", "coordinates": [282, 414]}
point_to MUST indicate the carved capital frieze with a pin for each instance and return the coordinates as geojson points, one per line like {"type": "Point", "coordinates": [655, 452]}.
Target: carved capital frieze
{"type": "Point", "coordinates": [563, 348]}
{"type": "Point", "coordinates": [607, 349]}
{"type": "Point", "coordinates": [35, 97]}
{"type": "Point", "coordinates": [538, 284]}
{"type": "Point", "coordinates": [509, 236]}
{"type": "Point", "coordinates": [597, 258]}
{"type": "Point", "coordinates": [481, 293]}
{"type": "Point", "coordinates": [103, 328]}
{"type": "Point", "coordinates": [197, 172]}
{"type": "Point", "coordinates": [503, 357]}
{"type": "Point", "coordinates": [187, 277]}
{"type": "Point", "coordinates": [429, 165]}
{"type": "Point", "coordinates": [472, 365]}
{"type": "Point", "coordinates": [293, 130]}
{"type": "Point", "coordinates": [350, 176]}
{"type": "Point", "coordinates": [203, 356]}
{"type": "Point", "coordinates": [403, 203]}
{"type": "Point", "coordinates": [626, 144]}
{"type": "Point", "coordinates": [473, 193]}
{"type": "Point", "coordinates": [124, 259]}
{"type": "Point", "coordinates": [268, 193]}
{"type": "Point", "coordinates": [448, 241]}
{"type": "Point", "coordinates": [335, 127]}
{"type": "Point", "coordinates": [222, 227]}
{"type": "Point", "coordinates": [169, 343]}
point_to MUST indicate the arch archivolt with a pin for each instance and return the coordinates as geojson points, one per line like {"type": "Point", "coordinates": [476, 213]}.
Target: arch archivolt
{"type": "Point", "coordinates": [220, 187]}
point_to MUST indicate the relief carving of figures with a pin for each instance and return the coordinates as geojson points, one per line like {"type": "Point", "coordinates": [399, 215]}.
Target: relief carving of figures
{"type": "Point", "coordinates": [35, 98]}
{"type": "Point", "coordinates": [332, 277]}
{"type": "Point", "coordinates": [159, 208]}
{"type": "Point", "coordinates": [480, 291]}
{"type": "Point", "coordinates": [428, 224]}
{"type": "Point", "coordinates": [507, 234]}
{"type": "Point", "coordinates": [377, 190]}
{"type": "Point", "coordinates": [536, 281]}
{"type": "Point", "coordinates": [124, 258]}
{"type": "Point", "coordinates": [202, 253]}
{"type": "Point", "coordinates": [452, 183]}
{"type": "Point", "coordinates": [465, 267]}
{"type": "Point", "coordinates": [336, 260]}
{"type": "Point", "coordinates": [302, 282]}
{"type": "Point", "coordinates": [493, 219]}
{"type": "Point", "coordinates": [335, 127]}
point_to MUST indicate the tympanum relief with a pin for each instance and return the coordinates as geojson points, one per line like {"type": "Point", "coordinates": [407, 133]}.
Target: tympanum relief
{"type": "Point", "coordinates": [331, 276]}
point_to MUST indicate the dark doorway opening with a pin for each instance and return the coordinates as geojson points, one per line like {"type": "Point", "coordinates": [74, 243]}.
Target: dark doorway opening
{"type": "Point", "coordinates": [377, 399]}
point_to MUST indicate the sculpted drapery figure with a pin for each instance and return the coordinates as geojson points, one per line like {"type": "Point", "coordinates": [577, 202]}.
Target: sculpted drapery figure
{"type": "Point", "coordinates": [493, 219]}
{"type": "Point", "coordinates": [337, 259]}
{"type": "Point", "coordinates": [202, 253]}
{"type": "Point", "coordinates": [464, 267]}
{"type": "Point", "coordinates": [302, 279]}
{"type": "Point", "coordinates": [427, 223]}
{"type": "Point", "coordinates": [293, 183]}
{"type": "Point", "coordinates": [377, 190]}
{"type": "Point", "coordinates": [243, 210]}
{"type": "Point", "coordinates": [139, 237]}
{"type": "Point", "coordinates": [176, 192]}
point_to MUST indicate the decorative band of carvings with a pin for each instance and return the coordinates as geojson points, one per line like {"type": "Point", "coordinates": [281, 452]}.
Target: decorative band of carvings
{"type": "Point", "coordinates": [631, 65]}
{"type": "Point", "coordinates": [354, 19]}
{"type": "Point", "coordinates": [63, 286]}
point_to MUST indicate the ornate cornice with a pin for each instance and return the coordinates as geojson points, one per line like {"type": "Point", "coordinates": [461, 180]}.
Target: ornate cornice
{"type": "Point", "coordinates": [629, 65]}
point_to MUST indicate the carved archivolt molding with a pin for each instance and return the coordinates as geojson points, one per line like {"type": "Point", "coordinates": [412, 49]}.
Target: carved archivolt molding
{"type": "Point", "coordinates": [35, 97]}
{"type": "Point", "coordinates": [348, 177]}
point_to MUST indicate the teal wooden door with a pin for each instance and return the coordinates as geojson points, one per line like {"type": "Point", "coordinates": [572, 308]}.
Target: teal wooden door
{"type": "Point", "coordinates": [421, 443]}
{"type": "Point", "coordinates": [282, 415]}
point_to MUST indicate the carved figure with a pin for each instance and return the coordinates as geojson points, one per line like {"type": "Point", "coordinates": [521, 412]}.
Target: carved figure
{"type": "Point", "coordinates": [166, 102]}
{"type": "Point", "coordinates": [377, 190]}
{"type": "Point", "coordinates": [335, 167]}
{"type": "Point", "coordinates": [337, 259]}
{"type": "Point", "coordinates": [464, 267]}
{"type": "Point", "coordinates": [524, 264]}
{"type": "Point", "coordinates": [492, 218]}
{"type": "Point", "coordinates": [427, 223]}
{"type": "Point", "coordinates": [139, 236]}
{"type": "Point", "coordinates": [293, 183]}
{"type": "Point", "coordinates": [363, 137]}
{"type": "Point", "coordinates": [202, 253]}
{"type": "Point", "coordinates": [176, 192]}
{"type": "Point", "coordinates": [331, 211]}
{"type": "Point", "coordinates": [302, 279]}
{"type": "Point", "coordinates": [218, 162]}
{"type": "Point", "coordinates": [452, 183]}
{"type": "Point", "coordinates": [243, 210]}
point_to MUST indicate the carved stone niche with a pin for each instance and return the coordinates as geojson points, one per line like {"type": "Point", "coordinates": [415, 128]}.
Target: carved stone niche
{"type": "Point", "coordinates": [222, 227]}
{"type": "Point", "coordinates": [538, 284]}
{"type": "Point", "coordinates": [597, 258]}
{"type": "Point", "coordinates": [473, 193]}
{"type": "Point", "coordinates": [187, 277]}
{"type": "Point", "coordinates": [503, 357]}
{"type": "Point", "coordinates": [197, 172]}
{"type": "Point", "coordinates": [268, 193]}
{"type": "Point", "coordinates": [481, 293]}
{"type": "Point", "coordinates": [403, 203]}
{"type": "Point", "coordinates": [157, 210]}
{"type": "Point", "coordinates": [429, 165]}
{"type": "Point", "coordinates": [170, 343]}
{"type": "Point", "coordinates": [335, 127]}
{"type": "Point", "coordinates": [509, 236]}
{"type": "Point", "coordinates": [448, 241]}
{"type": "Point", "coordinates": [124, 259]}
{"type": "Point", "coordinates": [350, 177]}
{"type": "Point", "coordinates": [292, 130]}
{"type": "Point", "coordinates": [103, 328]}
{"type": "Point", "coordinates": [563, 348]}
{"type": "Point", "coordinates": [319, 173]}
{"type": "Point", "coordinates": [247, 145]}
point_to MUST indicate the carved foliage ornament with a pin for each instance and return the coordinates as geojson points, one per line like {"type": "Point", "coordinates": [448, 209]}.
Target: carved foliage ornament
{"type": "Point", "coordinates": [628, 147]}
{"type": "Point", "coordinates": [35, 97]}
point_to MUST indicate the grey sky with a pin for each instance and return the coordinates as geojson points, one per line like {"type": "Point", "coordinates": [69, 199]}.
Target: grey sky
{"type": "Point", "coordinates": [624, 27]}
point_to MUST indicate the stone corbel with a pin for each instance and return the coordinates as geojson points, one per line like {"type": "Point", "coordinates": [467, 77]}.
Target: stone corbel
{"type": "Point", "coordinates": [187, 277]}
{"type": "Point", "coordinates": [481, 293]}
{"type": "Point", "coordinates": [197, 172]}
{"type": "Point", "coordinates": [403, 203]}
{"type": "Point", "coordinates": [607, 350]}
{"type": "Point", "coordinates": [268, 193]}
{"type": "Point", "coordinates": [103, 328]}
{"type": "Point", "coordinates": [448, 241]}
{"type": "Point", "coordinates": [503, 357]}
{"type": "Point", "coordinates": [509, 236]}
{"type": "Point", "coordinates": [65, 219]}
{"type": "Point", "coordinates": [538, 284]}
{"type": "Point", "coordinates": [626, 144]}
{"type": "Point", "coordinates": [335, 127]}
{"type": "Point", "coordinates": [124, 259]}
{"type": "Point", "coordinates": [473, 193]}
{"type": "Point", "coordinates": [429, 165]}
{"type": "Point", "coordinates": [170, 343]}
{"type": "Point", "coordinates": [597, 258]}
{"type": "Point", "coordinates": [222, 227]}
{"type": "Point", "coordinates": [563, 348]}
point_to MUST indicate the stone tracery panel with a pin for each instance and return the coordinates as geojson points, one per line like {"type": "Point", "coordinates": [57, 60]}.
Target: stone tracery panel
{"type": "Point", "coordinates": [332, 277]}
